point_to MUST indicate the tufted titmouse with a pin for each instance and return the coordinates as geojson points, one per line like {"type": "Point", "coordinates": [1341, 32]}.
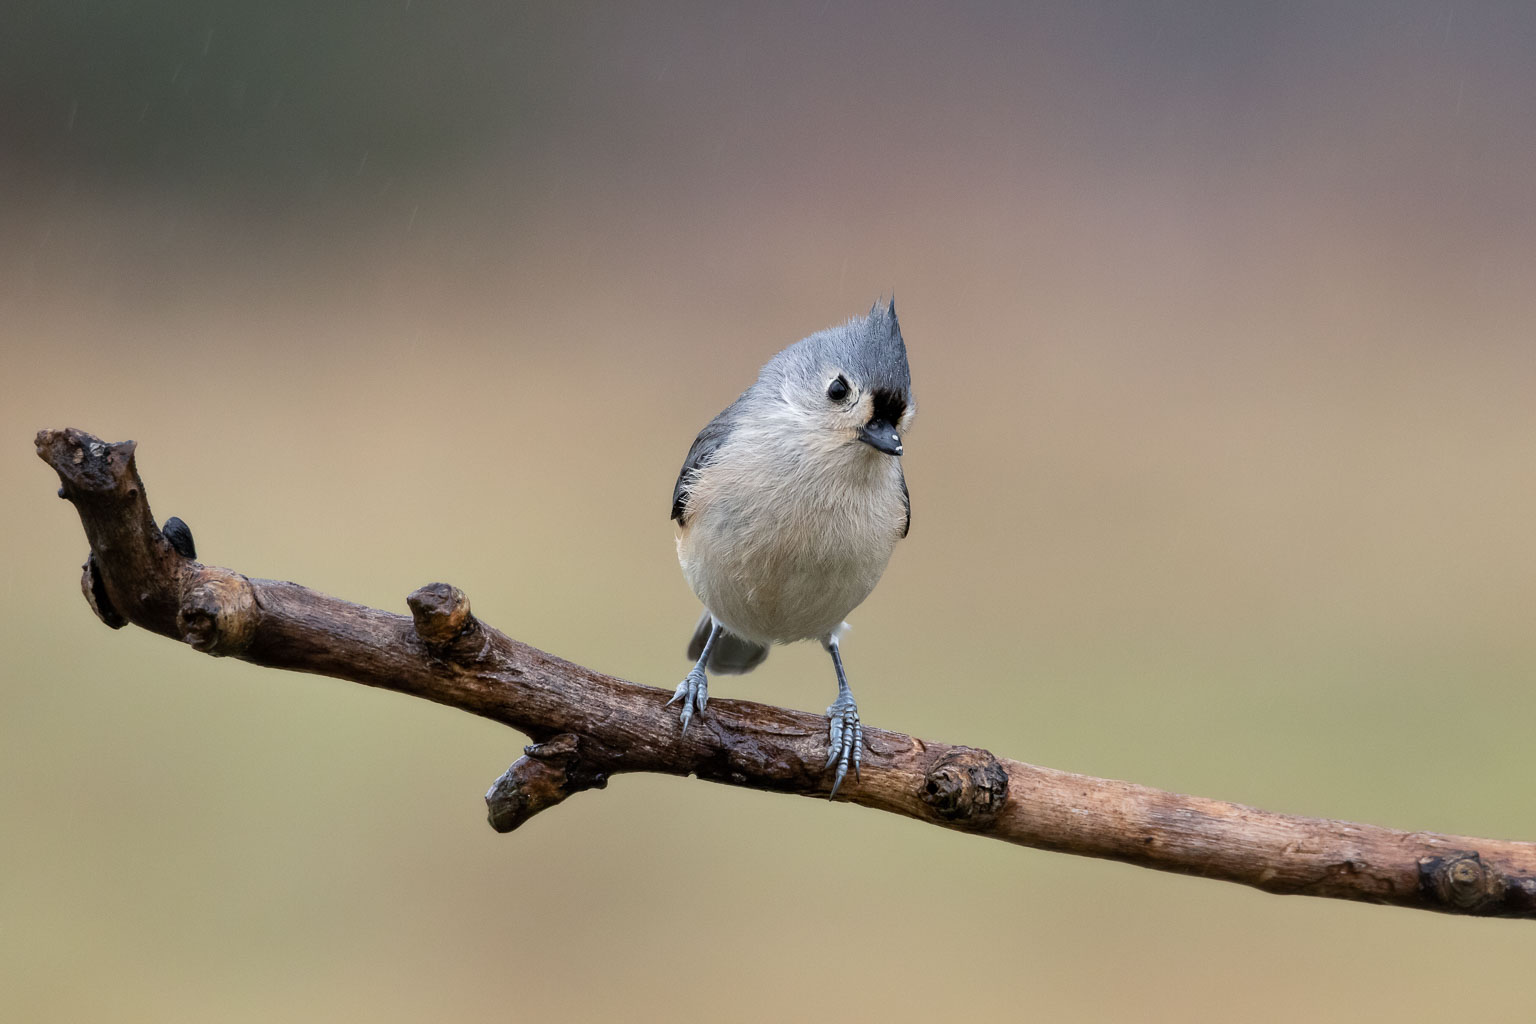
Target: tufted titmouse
{"type": "Point", "coordinates": [789, 504]}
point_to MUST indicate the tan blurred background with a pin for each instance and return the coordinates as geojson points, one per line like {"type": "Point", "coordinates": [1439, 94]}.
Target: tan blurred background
{"type": "Point", "coordinates": [1221, 322]}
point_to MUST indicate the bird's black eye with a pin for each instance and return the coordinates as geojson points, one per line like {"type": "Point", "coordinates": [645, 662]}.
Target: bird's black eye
{"type": "Point", "coordinates": [838, 389]}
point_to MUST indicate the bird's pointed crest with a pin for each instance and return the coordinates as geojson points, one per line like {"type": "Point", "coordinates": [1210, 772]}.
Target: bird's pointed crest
{"type": "Point", "coordinates": [880, 348]}
{"type": "Point", "coordinates": [888, 313]}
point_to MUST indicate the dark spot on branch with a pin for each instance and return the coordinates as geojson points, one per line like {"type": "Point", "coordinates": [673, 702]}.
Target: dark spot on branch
{"type": "Point", "coordinates": [180, 536]}
{"type": "Point", "coordinates": [95, 590]}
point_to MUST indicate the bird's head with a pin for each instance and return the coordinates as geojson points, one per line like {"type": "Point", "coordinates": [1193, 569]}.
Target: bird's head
{"type": "Point", "coordinates": [849, 385]}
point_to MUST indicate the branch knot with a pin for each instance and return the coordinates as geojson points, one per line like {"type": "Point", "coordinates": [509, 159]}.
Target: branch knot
{"type": "Point", "coordinates": [218, 613]}
{"type": "Point", "coordinates": [1462, 881]}
{"type": "Point", "coordinates": [966, 784]}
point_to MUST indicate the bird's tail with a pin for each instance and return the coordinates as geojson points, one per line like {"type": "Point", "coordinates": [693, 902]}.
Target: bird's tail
{"type": "Point", "coordinates": [731, 655]}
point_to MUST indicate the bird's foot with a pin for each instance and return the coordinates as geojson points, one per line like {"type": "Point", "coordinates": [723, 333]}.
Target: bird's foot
{"type": "Point", "coordinates": [847, 739]}
{"type": "Point", "coordinates": [693, 691]}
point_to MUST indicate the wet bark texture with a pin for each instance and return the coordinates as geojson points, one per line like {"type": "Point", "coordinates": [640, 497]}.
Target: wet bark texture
{"type": "Point", "coordinates": [588, 727]}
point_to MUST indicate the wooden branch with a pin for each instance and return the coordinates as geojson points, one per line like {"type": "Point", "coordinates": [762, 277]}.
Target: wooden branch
{"type": "Point", "coordinates": [588, 727]}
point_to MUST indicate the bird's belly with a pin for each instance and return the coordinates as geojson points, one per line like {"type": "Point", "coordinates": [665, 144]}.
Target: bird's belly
{"type": "Point", "coordinates": [777, 583]}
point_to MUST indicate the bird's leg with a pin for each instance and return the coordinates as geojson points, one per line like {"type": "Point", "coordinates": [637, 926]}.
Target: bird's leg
{"type": "Point", "coordinates": [693, 691]}
{"type": "Point", "coordinates": [847, 735]}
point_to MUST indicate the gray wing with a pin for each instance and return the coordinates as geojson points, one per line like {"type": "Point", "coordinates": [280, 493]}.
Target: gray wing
{"type": "Point", "coordinates": [906, 502]}
{"type": "Point", "coordinates": [704, 447]}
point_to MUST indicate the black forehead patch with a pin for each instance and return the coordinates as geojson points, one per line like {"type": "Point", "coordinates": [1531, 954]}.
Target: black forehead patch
{"type": "Point", "coordinates": [889, 405]}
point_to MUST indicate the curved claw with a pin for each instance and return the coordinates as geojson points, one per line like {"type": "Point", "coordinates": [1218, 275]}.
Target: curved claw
{"type": "Point", "coordinates": [846, 741]}
{"type": "Point", "coordinates": [693, 691]}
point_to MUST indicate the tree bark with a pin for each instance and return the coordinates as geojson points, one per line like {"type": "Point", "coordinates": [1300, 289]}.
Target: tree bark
{"type": "Point", "coordinates": [588, 727]}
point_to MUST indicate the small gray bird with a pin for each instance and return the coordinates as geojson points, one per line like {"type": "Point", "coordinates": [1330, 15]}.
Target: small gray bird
{"type": "Point", "coordinates": [790, 503]}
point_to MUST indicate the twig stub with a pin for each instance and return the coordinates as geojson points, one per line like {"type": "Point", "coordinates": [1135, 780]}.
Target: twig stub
{"type": "Point", "coordinates": [441, 613]}
{"type": "Point", "coordinates": [546, 774]}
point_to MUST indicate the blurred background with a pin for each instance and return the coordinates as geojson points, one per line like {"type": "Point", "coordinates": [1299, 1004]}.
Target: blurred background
{"type": "Point", "coordinates": [1220, 320]}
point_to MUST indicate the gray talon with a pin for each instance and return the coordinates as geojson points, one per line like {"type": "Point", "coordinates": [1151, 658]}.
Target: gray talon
{"type": "Point", "coordinates": [845, 734]}
{"type": "Point", "coordinates": [846, 740]}
{"type": "Point", "coordinates": [693, 691]}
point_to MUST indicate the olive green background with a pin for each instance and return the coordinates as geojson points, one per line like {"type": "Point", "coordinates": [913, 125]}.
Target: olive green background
{"type": "Point", "coordinates": [1223, 480]}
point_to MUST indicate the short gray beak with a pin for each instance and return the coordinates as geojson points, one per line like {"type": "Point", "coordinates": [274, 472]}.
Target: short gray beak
{"type": "Point", "coordinates": [880, 435]}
